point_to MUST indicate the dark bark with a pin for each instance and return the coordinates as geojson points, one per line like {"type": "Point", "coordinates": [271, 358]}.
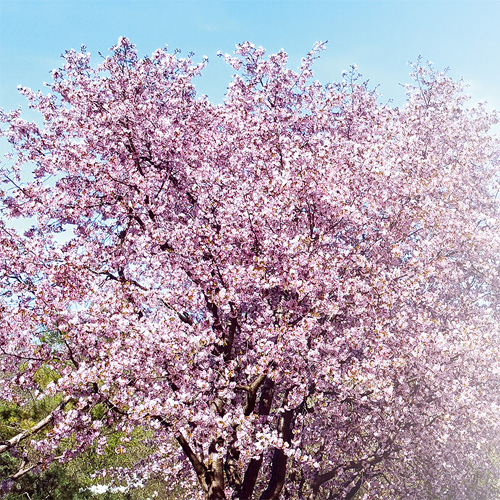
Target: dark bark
{"type": "Point", "coordinates": [280, 460]}
{"type": "Point", "coordinates": [251, 474]}
{"type": "Point", "coordinates": [356, 465]}
{"type": "Point", "coordinates": [215, 481]}
{"type": "Point", "coordinates": [266, 398]}
{"type": "Point", "coordinates": [352, 492]}
{"type": "Point", "coordinates": [198, 465]}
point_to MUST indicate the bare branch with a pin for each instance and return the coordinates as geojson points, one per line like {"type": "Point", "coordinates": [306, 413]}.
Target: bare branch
{"type": "Point", "coordinates": [37, 427]}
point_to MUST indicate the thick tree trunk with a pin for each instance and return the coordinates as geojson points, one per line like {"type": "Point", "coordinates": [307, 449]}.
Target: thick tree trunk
{"type": "Point", "coordinates": [216, 494]}
{"type": "Point", "coordinates": [215, 481]}
{"type": "Point", "coordinates": [216, 490]}
{"type": "Point", "coordinates": [280, 460]}
{"type": "Point", "coordinates": [246, 489]}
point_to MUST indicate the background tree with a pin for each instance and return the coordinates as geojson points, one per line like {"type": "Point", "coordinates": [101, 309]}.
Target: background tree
{"type": "Point", "coordinates": [294, 293]}
{"type": "Point", "coordinates": [21, 475]}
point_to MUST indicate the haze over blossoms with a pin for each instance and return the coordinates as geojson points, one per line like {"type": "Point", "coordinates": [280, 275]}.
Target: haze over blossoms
{"type": "Point", "coordinates": [294, 293]}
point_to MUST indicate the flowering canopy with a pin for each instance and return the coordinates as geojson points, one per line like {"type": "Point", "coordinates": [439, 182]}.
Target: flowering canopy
{"type": "Point", "coordinates": [295, 293]}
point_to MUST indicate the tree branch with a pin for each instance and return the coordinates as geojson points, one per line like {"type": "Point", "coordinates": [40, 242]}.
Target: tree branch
{"type": "Point", "coordinates": [37, 427]}
{"type": "Point", "coordinates": [252, 393]}
{"type": "Point", "coordinates": [24, 470]}
{"type": "Point", "coordinates": [198, 466]}
{"type": "Point", "coordinates": [353, 464]}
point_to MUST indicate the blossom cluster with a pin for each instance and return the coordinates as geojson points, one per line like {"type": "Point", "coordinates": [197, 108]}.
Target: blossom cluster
{"type": "Point", "coordinates": [295, 293]}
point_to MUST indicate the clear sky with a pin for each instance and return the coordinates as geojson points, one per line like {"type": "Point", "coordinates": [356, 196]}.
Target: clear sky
{"type": "Point", "coordinates": [379, 36]}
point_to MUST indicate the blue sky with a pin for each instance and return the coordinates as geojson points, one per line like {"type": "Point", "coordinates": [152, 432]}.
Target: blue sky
{"type": "Point", "coordinates": [379, 36]}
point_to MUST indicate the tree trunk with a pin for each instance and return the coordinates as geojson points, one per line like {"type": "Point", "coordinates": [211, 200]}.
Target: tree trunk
{"type": "Point", "coordinates": [280, 460]}
{"type": "Point", "coordinates": [215, 481]}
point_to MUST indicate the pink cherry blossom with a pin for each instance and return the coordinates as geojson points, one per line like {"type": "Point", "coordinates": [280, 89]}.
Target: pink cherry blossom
{"type": "Point", "coordinates": [295, 292]}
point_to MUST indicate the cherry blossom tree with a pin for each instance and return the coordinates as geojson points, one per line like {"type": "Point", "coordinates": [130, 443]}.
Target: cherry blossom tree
{"type": "Point", "coordinates": [293, 294]}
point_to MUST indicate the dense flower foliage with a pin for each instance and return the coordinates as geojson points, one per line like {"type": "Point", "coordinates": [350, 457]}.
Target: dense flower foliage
{"type": "Point", "coordinates": [294, 293]}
